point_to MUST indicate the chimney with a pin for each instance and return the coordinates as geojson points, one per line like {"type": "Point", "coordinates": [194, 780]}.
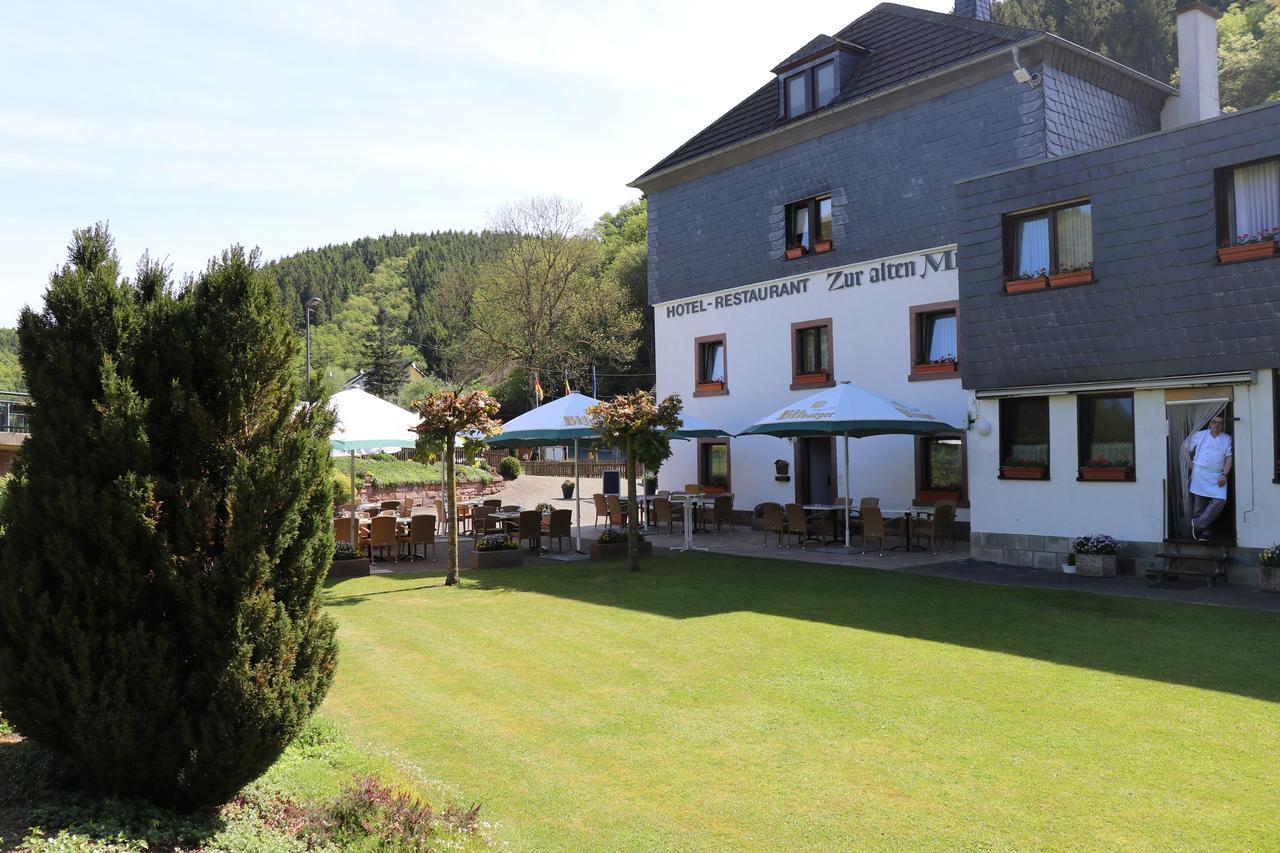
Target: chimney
{"type": "Point", "coordinates": [979, 10]}
{"type": "Point", "coordinates": [1197, 67]}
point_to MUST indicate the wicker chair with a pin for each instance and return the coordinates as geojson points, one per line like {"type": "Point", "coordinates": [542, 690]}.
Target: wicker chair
{"type": "Point", "coordinates": [617, 509]}
{"type": "Point", "coordinates": [875, 524]}
{"type": "Point", "coordinates": [382, 534]}
{"type": "Point", "coordinates": [480, 520]}
{"type": "Point", "coordinates": [797, 524]}
{"type": "Point", "coordinates": [386, 505]}
{"type": "Point", "coordinates": [602, 508]}
{"type": "Point", "coordinates": [530, 528]}
{"type": "Point", "coordinates": [940, 527]}
{"type": "Point", "coordinates": [406, 508]}
{"type": "Point", "coordinates": [722, 513]}
{"type": "Point", "coordinates": [422, 531]}
{"type": "Point", "coordinates": [773, 522]}
{"type": "Point", "coordinates": [560, 526]}
{"type": "Point", "coordinates": [665, 512]}
{"type": "Point", "coordinates": [496, 503]}
{"type": "Point", "coordinates": [342, 532]}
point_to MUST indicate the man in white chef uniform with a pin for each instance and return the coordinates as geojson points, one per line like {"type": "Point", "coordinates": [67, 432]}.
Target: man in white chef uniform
{"type": "Point", "coordinates": [1210, 464]}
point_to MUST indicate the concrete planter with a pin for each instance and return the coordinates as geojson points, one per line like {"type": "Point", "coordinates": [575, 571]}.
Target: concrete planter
{"type": "Point", "coordinates": [1096, 565]}
{"type": "Point", "coordinates": [495, 559]}
{"type": "Point", "coordinates": [358, 568]}
{"type": "Point", "coordinates": [617, 550]}
{"type": "Point", "coordinates": [1269, 578]}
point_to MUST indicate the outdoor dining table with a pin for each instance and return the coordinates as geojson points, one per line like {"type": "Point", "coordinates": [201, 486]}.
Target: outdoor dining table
{"type": "Point", "coordinates": [834, 510]}
{"type": "Point", "coordinates": [907, 514]}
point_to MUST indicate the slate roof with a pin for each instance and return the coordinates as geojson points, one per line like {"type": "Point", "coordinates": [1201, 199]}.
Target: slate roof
{"type": "Point", "coordinates": [903, 43]}
{"type": "Point", "coordinates": [816, 45]}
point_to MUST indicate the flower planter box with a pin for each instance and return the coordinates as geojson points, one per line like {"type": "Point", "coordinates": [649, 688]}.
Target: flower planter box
{"type": "Point", "coordinates": [1025, 285]}
{"type": "Point", "coordinates": [822, 246]}
{"type": "Point", "coordinates": [495, 559]}
{"type": "Point", "coordinates": [1247, 251]}
{"type": "Point", "coordinates": [812, 378]}
{"type": "Point", "coordinates": [1064, 278]}
{"type": "Point", "coordinates": [1269, 578]}
{"type": "Point", "coordinates": [1091, 472]}
{"type": "Point", "coordinates": [938, 495]}
{"type": "Point", "coordinates": [617, 550]}
{"type": "Point", "coordinates": [1096, 565]}
{"type": "Point", "coordinates": [947, 367]}
{"type": "Point", "coordinates": [1023, 472]}
{"type": "Point", "coordinates": [358, 568]}
{"type": "Point", "coordinates": [708, 387]}
{"type": "Point", "coordinates": [795, 252]}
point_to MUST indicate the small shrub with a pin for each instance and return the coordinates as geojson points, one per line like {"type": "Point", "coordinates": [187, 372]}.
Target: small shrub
{"type": "Point", "coordinates": [484, 465]}
{"type": "Point", "coordinates": [1096, 543]}
{"type": "Point", "coordinates": [1269, 558]}
{"type": "Point", "coordinates": [509, 468]}
{"type": "Point", "coordinates": [368, 810]}
{"type": "Point", "coordinates": [544, 507]}
{"type": "Point", "coordinates": [613, 536]}
{"type": "Point", "coordinates": [341, 488]}
{"type": "Point", "coordinates": [567, 484]}
{"type": "Point", "coordinates": [497, 542]}
{"type": "Point", "coordinates": [345, 551]}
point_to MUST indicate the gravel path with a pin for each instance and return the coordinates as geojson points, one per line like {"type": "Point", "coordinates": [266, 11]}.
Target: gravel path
{"type": "Point", "coordinates": [528, 491]}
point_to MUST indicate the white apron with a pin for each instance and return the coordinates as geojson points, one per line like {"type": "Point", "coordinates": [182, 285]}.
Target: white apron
{"type": "Point", "coordinates": [1204, 482]}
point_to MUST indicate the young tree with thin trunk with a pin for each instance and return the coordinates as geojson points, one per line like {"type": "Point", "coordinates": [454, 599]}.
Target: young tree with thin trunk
{"type": "Point", "coordinates": [639, 426]}
{"type": "Point", "coordinates": [444, 415]}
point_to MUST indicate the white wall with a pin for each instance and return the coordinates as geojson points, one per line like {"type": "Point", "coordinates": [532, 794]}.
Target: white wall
{"type": "Point", "coordinates": [1063, 506]}
{"type": "Point", "coordinates": [870, 346]}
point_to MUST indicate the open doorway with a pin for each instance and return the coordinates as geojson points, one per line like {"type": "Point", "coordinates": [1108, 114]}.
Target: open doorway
{"type": "Point", "coordinates": [816, 470]}
{"type": "Point", "coordinates": [1184, 418]}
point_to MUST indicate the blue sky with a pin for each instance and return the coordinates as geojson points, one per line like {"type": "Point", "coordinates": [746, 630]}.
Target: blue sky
{"type": "Point", "coordinates": [194, 125]}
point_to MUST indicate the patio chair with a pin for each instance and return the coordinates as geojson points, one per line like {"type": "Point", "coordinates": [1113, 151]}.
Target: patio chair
{"type": "Point", "coordinates": [511, 508]}
{"type": "Point", "coordinates": [875, 524]}
{"type": "Point", "coordinates": [617, 509]}
{"type": "Point", "coordinates": [797, 524]}
{"type": "Point", "coordinates": [666, 513]}
{"type": "Point", "coordinates": [480, 520]}
{"type": "Point", "coordinates": [386, 505]}
{"type": "Point", "coordinates": [602, 508]}
{"type": "Point", "coordinates": [722, 513]}
{"type": "Point", "coordinates": [422, 531]}
{"type": "Point", "coordinates": [496, 503]}
{"type": "Point", "coordinates": [406, 507]}
{"type": "Point", "coordinates": [464, 517]}
{"type": "Point", "coordinates": [342, 532]}
{"type": "Point", "coordinates": [941, 526]}
{"type": "Point", "coordinates": [560, 526]}
{"type": "Point", "coordinates": [382, 534]}
{"type": "Point", "coordinates": [693, 488]}
{"type": "Point", "coordinates": [530, 528]}
{"type": "Point", "coordinates": [773, 522]}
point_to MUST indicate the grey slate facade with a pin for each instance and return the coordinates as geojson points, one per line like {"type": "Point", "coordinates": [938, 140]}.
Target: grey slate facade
{"type": "Point", "coordinates": [1161, 304]}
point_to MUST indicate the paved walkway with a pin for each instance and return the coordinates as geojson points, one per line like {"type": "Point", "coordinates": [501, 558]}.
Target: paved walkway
{"type": "Point", "coordinates": [953, 564]}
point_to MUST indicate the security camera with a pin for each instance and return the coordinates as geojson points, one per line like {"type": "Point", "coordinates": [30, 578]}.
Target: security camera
{"type": "Point", "coordinates": [1022, 75]}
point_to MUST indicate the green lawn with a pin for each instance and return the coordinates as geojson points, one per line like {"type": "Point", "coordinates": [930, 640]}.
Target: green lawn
{"type": "Point", "coordinates": [714, 701]}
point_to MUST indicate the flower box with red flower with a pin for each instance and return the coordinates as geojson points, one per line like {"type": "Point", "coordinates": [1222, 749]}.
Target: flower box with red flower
{"type": "Point", "coordinates": [822, 246]}
{"type": "Point", "coordinates": [812, 378]}
{"type": "Point", "coordinates": [1248, 247]}
{"type": "Point", "coordinates": [1101, 468]}
{"type": "Point", "coordinates": [1023, 469]}
{"type": "Point", "coordinates": [944, 364]}
{"type": "Point", "coordinates": [1072, 275]}
{"type": "Point", "coordinates": [1024, 282]}
{"type": "Point", "coordinates": [794, 252]}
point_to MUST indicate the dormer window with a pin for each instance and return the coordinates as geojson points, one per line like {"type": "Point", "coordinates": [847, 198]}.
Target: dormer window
{"type": "Point", "coordinates": [811, 89]}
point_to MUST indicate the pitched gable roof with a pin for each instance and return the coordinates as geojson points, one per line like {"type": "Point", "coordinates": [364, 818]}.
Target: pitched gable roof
{"type": "Point", "coordinates": [901, 43]}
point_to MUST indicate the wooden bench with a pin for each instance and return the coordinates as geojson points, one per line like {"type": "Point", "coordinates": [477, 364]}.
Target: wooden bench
{"type": "Point", "coordinates": [1178, 563]}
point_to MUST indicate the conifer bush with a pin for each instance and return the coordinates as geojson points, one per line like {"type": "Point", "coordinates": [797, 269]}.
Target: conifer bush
{"type": "Point", "coordinates": [167, 530]}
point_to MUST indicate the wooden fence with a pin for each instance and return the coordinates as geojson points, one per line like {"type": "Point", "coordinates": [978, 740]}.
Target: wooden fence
{"type": "Point", "coordinates": [542, 468]}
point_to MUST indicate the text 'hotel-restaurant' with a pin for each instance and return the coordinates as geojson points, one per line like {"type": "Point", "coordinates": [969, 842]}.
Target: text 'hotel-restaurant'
{"type": "Point", "coordinates": [1040, 246]}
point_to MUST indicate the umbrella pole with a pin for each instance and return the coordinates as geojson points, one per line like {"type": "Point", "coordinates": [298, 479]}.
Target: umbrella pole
{"type": "Point", "coordinates": [577, 495]}
{"type": "Point", "coordinates": [353, 499]}
{"type": "Point", "coordinates": [848, 494]}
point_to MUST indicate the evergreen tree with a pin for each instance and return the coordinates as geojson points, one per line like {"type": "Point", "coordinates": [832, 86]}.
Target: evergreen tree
{"type": "Point", "coordinates": [385, 371]}
{"type": "Point", "coordinates": [166, 530]}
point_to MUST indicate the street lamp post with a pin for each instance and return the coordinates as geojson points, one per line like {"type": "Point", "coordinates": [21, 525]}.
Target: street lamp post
{"type": "Point", "coordinates": [311, 304]}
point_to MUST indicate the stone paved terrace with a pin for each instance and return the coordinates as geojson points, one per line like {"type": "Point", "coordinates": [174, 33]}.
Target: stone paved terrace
{"type": "Point", "coordinates": [953, 564]}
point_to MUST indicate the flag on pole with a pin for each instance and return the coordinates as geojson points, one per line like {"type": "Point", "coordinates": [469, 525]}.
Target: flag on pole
{"type": "Point", "coordinates": [567, 389]}
{"type": "Point", "coordinates": [537, 390]}
{"type": "Point", "coordinates": [593, 380]}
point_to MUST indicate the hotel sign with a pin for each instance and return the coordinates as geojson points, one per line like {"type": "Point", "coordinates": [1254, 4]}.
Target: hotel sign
{"type": "Point", "coordinates": [845, 278]}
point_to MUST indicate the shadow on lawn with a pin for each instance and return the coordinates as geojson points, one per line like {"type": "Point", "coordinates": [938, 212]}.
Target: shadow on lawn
{"type": "Point", "coordinates": [1214, 648]}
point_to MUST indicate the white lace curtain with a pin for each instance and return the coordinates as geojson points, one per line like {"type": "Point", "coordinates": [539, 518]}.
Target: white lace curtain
{"type": "Point", "coordinates": [1257, 199]}
{"type": "Point", "coordinates": [1075, 236]}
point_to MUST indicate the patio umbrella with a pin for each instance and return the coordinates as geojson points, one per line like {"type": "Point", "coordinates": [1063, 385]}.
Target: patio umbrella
{"type": "Point", "coordinates": [691, 427]}
{"type": "Point", "coordinates": [847, 410]}
{"type": "Point", "coordinates": [556, 422]}
{"type": "Point", "coordinates": [368, 424]}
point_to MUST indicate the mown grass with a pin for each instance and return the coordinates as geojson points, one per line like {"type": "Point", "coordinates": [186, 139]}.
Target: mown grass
{"type": "Point", "coordinates": [393, 474]}
{"type": "Point", "coordinates": [712, 701]}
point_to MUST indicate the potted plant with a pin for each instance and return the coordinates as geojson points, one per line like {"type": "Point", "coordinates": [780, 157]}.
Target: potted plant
{"type": "Point", "coordinates": [1102, 468]}
{"type": "Point", "coordinates": [545, 507]}
{"type": "Point", "coordinates": [650, 484]}
{"type": "Point", "coordinates": [612, 545]}
{"type": "Point", "coordinates": [1023, 282]}
{"type": "Point", "coordinates": [1247, 247]}
{"type": "Point", "coordinates": [782, 470]}
{"type": "Point", "coordinates": [1082, 274]}
{"type": "Point", "coordinates": [1069, 567]}
{"type": "Point", "coordinates": [566, 489]}
{"type": "Point", "coordinates": [1269, 569]}
{"type": "Point", "coordinates": [822, 246]}
{"type": "Point", "coordinates": [347, 562]}
{"type": "Point", "coordinates": [1095, 555]}
{"type": "Point", "coordinates": [942, 364]}
{"type": "Point", "coordinates": [1023, 469]}
{"type": "Point", "coordinates": [795, 251]}
{"type": "Point", "coordinates": [495, 552]}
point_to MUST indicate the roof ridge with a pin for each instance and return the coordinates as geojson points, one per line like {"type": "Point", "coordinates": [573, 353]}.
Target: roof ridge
{"type": "Point", "coordinates": [950, 20]}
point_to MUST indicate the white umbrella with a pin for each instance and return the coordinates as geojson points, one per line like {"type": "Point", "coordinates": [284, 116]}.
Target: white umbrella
{"type": "Point", "coordinates": [368, 424]}
{"type": "Point", "coordinates": [847, 410]}
{"type": "Point", "coordinates": [556, 422]}
{"type": "Point", "coordinates": [691, 427]}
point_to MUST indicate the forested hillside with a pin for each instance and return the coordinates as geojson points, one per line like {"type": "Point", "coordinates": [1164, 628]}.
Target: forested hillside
{"type": "Point", "coordinates": [10, 370]}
